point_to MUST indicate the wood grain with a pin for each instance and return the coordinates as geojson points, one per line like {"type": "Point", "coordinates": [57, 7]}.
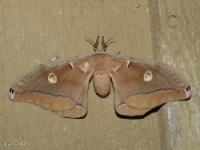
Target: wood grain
{"type": "Point", "coordinates": [175, 40]}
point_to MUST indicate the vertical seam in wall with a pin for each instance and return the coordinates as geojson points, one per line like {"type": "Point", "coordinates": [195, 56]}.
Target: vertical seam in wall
{"type": "Point", "coordinates": [158, 48]}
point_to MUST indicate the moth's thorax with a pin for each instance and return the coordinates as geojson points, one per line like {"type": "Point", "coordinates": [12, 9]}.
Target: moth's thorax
{"type": "Point", "coordinates": [103, 61]}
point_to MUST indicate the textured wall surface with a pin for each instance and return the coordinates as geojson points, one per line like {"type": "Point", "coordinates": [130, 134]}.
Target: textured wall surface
{"type": "Point", "coordinates": [176, 40]}
{"type": "Point", "coordinates": [32, 32]}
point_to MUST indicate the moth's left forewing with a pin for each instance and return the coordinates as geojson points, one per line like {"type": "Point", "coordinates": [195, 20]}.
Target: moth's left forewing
{"type": "Point", "coordinates": [141, 85]}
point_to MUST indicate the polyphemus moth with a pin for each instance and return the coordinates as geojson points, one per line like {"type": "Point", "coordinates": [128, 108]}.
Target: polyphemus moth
{"type": "Point", "coordinates": [62, 85]}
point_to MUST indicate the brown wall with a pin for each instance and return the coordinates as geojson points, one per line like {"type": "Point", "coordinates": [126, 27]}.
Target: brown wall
{"type": "Point", "coordinates": [33, 32]}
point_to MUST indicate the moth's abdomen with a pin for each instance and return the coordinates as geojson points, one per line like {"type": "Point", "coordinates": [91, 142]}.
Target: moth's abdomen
{"type": "Point", "coordinates": [102, 83]}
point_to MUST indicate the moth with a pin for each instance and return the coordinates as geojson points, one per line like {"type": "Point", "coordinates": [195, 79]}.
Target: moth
{"type": "Point", "coordinates": [62, 85]}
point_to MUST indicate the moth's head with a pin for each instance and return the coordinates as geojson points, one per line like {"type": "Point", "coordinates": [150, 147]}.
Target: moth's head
{"type": "Point", "coordinates": [100, 45]}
